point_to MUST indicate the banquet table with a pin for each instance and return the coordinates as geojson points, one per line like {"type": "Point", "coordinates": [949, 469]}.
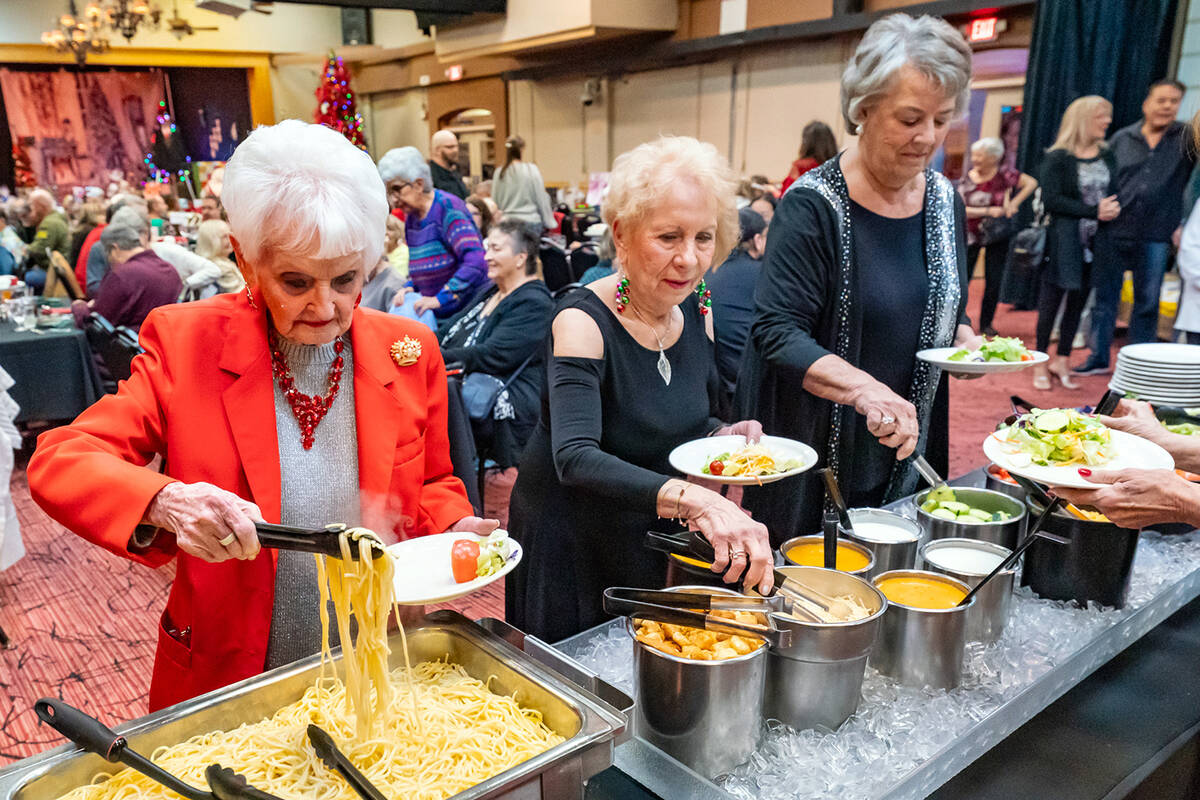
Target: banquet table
{"type": "Point", "coordinates": [54, 374]}
{"type": "Point", "coordinates": [1030, 715]}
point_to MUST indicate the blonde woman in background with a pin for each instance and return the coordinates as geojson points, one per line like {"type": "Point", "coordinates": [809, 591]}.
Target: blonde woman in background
{"type": "Point", "coordinates": [212, 242]}
{"type": "Point", "coordinates": [519, 190]}
{"type": "Point", "coordinates": [1079, 180]}
{"type": "Point", "coordinates": [395, 247]}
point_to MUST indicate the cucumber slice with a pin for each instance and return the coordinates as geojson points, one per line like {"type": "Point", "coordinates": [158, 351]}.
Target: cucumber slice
{"type": "Point", "coordinates": [942, 513]}
{"type": "Point", "coordinates": [1051, 421]}
{"type": "Point", "coordinates": [955, 506]}
{"type": "Point", "coordinates": [1001, 516]}
{"type": "Point", "coordinates": [981, 515]}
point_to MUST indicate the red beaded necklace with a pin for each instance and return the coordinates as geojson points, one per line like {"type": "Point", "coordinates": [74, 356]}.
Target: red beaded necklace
{"type": "Point", "coordinates": [309, 409]}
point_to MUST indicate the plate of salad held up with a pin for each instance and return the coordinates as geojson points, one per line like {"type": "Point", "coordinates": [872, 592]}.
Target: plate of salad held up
{"type": "Point", "coordinates": [1051, 445]}
{"type": "Point", "coordinates": [996, 354]}
{"type": "Point", "coordinates": [731, 459]}
{"type": "Point", "coordinates": [446, 566]}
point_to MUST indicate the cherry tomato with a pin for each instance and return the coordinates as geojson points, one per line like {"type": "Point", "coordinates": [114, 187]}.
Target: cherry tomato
{"type": "Point", "coordinates": [464, 558]}
{"type": "Point", "coordinates": [1026, 357]}
{"type": "Point", "coordinates": [716, 467]}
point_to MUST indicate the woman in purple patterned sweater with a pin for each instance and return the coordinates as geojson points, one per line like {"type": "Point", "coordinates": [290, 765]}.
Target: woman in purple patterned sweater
{"type": "Point", "coordinates": [445, 253]}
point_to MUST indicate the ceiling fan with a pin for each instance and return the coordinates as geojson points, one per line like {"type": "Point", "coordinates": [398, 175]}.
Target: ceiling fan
{"type": "Point", "coordinates": [180, 27]}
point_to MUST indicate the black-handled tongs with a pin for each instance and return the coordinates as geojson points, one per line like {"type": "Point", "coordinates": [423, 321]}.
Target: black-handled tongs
{"type": "Point", "coordinates": [94, 736]}
{"type": "Point", "coordinates": [691, 609]}
{"type": "Point", "coordinates": [323, 541]}
{"type": "Point", "coordinates": [327, 750]}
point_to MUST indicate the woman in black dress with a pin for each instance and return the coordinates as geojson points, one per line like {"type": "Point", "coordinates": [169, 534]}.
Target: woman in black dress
{"type": "Point", "coordinates": [865, 266]}
{"type": "Point", "coordinates": [631, 376]}
{"type": "Point", "coordinates": [501, 332]}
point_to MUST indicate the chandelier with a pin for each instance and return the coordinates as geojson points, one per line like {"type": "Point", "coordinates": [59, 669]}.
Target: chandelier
{"type": "Point", "coordinates": [128, 16]}
{"type": "Point", "coordinates": [78, 35]}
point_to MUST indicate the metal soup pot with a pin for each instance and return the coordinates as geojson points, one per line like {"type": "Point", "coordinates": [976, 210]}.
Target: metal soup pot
{"type": "Point", "coordinates": [706, 714]}
{"type": "Point", "coordinates": [986, 621]}
{"type": "Point", "coordinates": [1006, 533]}
{"type": "Point", "coordinates": [864, 551]}
{"type": "Point", "coordinates": [817, 680]}
{"type": "Point", "coordinates": [889, 555]}
{"type": "Point", "coordinates": [1096, 564]}
{"type": "Point", "coordinates": [922, 646]}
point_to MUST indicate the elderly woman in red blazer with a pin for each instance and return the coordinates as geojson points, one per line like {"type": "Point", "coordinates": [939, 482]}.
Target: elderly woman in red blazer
{"type": "Point", "coordinates": [243, 398]}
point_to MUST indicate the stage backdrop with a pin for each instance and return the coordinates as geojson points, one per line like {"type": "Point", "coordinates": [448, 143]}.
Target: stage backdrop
{"type": "Point", "coordinates": [82, 128]}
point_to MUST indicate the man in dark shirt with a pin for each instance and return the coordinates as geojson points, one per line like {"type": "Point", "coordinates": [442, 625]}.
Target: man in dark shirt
{"type": "Point", "coordinates": [444, 149]}
{"type": "Point", "coordinates": [732, 286]}
{"type": "Point", "coordinates": [137, 281]}
{"type": "Point", "coordinates": [1154, 162]}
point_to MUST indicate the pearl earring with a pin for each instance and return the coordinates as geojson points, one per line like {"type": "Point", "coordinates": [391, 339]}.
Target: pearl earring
{"type": "Point", "coordinates": [858, 130]}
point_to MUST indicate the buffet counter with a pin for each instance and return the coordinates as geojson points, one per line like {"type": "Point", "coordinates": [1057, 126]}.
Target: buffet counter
{"type": "Point", "coordinates": [904, 742]}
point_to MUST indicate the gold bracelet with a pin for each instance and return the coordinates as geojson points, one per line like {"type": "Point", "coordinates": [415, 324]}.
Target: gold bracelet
{"type": "Point", "coordinates": [679, 502]}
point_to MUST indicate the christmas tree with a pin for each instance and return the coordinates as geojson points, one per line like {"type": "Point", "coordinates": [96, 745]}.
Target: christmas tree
{"type": "Point", "coordinates": [335, 102]}
{"type": "Point", "coordinates": [22, 170]}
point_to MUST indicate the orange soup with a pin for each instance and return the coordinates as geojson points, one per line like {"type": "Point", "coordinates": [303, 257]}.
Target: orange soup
{"type": "Point", "coordinates": [812, 554]}
{"type": "Point", "coordinates": [921, 592]}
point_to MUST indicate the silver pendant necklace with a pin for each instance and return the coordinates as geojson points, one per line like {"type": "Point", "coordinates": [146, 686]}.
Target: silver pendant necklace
{"type": "Point", "coordinates": [664, 366]}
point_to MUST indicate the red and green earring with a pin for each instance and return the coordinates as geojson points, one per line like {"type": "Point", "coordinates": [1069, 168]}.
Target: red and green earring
{"type": "Point", "coordinates": [702, 291]}
{"type": "Point", "coordinates": [622, 297]}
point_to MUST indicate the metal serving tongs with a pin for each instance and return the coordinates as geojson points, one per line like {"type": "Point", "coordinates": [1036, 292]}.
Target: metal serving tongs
{"type": "Point", "coordinates": [329, 753]}
{"type": "Point", "coordinates": [691, 609]}
{"type": "Point", "coordinates": [799, 598]}
{"type": "Point", "coordinates": [323, 541]}
{"type": "Point", "coordinates": [94, 736]}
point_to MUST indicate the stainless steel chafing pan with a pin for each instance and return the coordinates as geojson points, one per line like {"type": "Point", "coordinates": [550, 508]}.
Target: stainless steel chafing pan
{"type": "Point", "coordinates": [589, 725]}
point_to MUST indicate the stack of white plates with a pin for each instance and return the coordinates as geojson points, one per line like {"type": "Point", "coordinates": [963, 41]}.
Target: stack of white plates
{"type": "Point", "coordinates": [1167, 374]}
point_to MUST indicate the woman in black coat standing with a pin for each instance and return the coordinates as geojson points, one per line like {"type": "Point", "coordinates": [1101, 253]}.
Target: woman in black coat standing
{"type": "Point", "coordinates": [1079, 179]}
{"type": "Point", "coordinates": [502, 330]}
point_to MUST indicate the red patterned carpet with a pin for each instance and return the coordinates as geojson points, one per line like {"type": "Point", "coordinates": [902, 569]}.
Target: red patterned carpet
{"type": "Point", "coordinates": [83, 622]}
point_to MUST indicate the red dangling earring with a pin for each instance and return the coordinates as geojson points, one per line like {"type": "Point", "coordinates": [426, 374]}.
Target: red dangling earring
{"type": "Point", "coordinates": [250, 298]}
{"type": "Point", "coordinates": [358, 300]}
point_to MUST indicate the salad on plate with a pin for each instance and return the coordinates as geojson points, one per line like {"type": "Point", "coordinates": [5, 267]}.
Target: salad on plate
{"type": "Point", "coordinates": [997, 348]}
{"type": "Point", "coordinates": [1058, 437]}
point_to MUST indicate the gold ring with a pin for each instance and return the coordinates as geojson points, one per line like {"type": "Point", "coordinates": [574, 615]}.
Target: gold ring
{"type": "Point", "coordinates": [228, 540]}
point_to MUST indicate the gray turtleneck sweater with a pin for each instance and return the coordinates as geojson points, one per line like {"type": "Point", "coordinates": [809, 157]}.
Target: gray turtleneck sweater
{"type": "Point", "coordinates": [318, 487]}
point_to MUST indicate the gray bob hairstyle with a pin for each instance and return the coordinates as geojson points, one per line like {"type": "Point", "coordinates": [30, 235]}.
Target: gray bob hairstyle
{"type": "Point", "coordinates": [991, 146]}
{"type": "Point", "coordinates": [298, 189]}
{"type": "Point", "coordinates": [929, 45]}
{"type": "Point", "coordinates": [407, 164]}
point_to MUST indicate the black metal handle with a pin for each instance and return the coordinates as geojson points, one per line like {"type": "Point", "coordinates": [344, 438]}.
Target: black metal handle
{"type": "Point", "coordinates": [1108, 403]}
{"type": "Point", "coordinates": [328, 751]}
{"type": "Point", "coordinates": [229, 785]}
{"type": "Point", "coordinates": [1035, 532]}
{"type": "Point", "coordinates": [83, 729]}
{"type": "Point", "coordinates": [94, 736]}
{"type": "Point", "coordinates": [835, 494]}
{"type": "Point", "coordinates": [324, 541]}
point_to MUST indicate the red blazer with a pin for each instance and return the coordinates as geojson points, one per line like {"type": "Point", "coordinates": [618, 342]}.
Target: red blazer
{"type": "Point", "coordinates": [201, 397]}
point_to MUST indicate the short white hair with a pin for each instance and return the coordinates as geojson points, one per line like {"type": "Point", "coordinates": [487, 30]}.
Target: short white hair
{"type": "Point", "coordinates": [929, 45]}
{"type": "Point", "coordinates": [989, 145]}
{"type": "Point", "coordinates": [41, 197]}
{"type": "Point", "coordinates": [297, 189]}
{"type": "Point", "coordinates": [131, 217]}
{"type": "Point", "coordinates": [641, 178]}
{"type": "Point", "coordinates": [407, 164]}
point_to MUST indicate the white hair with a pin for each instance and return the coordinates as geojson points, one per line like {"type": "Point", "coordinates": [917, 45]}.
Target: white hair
{"type": "Point", "coordinates": [929, 45]}
{"type": "Point", "coordinates": [297, 189]}
{"type": "Point", "coordinates": [41, 197]}
{"type": "Point", "coordinates": [131, 217]}
{"type": "Point", "coordinates": [407, 164]}
{"type": "Point", "coordinates": [991, 146]}
{"type": "Point", "coordinates": [124, 237]}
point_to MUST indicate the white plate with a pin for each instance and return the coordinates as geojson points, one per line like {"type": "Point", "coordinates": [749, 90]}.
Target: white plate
{"type": "Point", "coordinates": [1162, 353]}
{"type": "Point", "coordinates": [423, 574]}
{"type": "Point", "coordinates": [938, 356]}
{"type": "Point", "coordinates": [1130, 452]}
{"type": "Point", "coordinates": [690, 458]}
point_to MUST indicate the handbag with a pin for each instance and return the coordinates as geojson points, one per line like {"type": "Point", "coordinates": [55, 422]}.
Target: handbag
{"type": "Point", "coordinates": [1028, 250]}
{"type": "Point", "coordinates": [993, 230]}
{"type": "Point", "coordinates": [480, 391]}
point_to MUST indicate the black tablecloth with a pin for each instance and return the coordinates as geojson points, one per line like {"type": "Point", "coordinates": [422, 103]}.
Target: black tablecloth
{"type": "Point", "coordinates": [53, 370]}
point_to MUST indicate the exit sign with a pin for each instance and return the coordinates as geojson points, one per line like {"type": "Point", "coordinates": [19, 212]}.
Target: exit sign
{"type": "Point", "coordinates": [984, 29]}
{"type": "Point", "coordinates": [455, 72]}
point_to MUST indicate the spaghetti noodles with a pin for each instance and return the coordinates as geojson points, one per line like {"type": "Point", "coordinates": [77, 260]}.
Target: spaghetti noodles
{"type": "Point", "coordinates": [425, 732]}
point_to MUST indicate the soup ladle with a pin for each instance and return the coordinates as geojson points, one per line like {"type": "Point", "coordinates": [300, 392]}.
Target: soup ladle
{"type": "Point", "coordinates": [1035, 532]}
